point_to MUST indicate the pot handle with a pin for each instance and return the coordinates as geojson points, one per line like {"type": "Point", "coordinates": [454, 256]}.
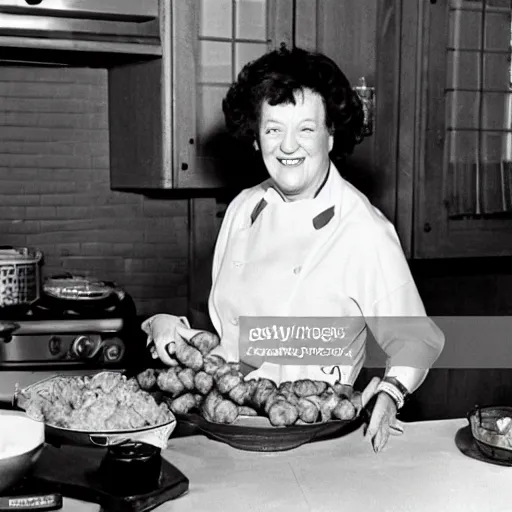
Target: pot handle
{"type": "Point", "coordinates": [104, 441]}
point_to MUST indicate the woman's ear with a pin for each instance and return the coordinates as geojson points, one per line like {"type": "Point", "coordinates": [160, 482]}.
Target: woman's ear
{"type": "Point", "coordinates": [256, 145]}
{"type": "Point", "coordinates": [331, 142]}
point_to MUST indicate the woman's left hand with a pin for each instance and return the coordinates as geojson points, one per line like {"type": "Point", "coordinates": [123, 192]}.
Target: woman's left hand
{"type": "Point", "coordinates": [383, 422]}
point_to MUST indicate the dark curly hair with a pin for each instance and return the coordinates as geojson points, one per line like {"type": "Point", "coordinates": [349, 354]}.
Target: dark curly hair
{"type": "Point", "coordinates": [276, 76]}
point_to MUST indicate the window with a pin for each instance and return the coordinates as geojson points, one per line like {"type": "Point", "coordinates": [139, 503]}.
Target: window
{"type": "Point", "coordinates": [479, 108]}
{"type": "Point", "coordinates": [230, 33]}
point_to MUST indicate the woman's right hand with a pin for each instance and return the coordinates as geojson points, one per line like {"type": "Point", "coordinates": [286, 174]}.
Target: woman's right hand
{"type": "Point", "coordinates": [165, 333]}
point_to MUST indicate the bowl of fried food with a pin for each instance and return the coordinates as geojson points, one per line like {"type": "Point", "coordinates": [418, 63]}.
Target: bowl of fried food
{"type": "Point", "coordinates": [491, 428]}
{"type": "Point", "coordinates": [21, 444]}
{"type": "Point", "coordinates": [204, 390]}
{"type": "Point", "coordinates": [104, 409]}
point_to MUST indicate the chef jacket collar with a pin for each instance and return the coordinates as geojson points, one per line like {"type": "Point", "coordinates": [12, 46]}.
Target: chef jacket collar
{"type": "Point", "coordinates": [322, 195]}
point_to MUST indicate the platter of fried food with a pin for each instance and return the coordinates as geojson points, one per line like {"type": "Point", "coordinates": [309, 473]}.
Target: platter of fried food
{"type": "Point", "coordinates": [82, 408]}
{"type": "Point", "coordinates": [205, 390]}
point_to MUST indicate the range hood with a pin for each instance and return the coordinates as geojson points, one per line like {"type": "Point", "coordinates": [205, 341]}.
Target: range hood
{"type": "Point", "coordinates": [94, 33]}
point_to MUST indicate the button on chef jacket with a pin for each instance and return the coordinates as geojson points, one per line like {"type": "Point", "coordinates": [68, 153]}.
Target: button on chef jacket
{"type": "Point", "coordinates": [329, 256]}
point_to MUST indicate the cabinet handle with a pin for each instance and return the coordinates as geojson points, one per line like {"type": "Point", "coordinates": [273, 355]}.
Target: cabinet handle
{"type": "Point", "coordinates": [427, 227]}
{"type": "Point", "coordinates": [184, 166]}
{"type": "Point", "coordinates": [34, 2]}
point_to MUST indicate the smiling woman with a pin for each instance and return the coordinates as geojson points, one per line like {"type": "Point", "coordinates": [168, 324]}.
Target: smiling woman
{"type": "Point", "coordinates": [295, 144]}
{"type": "Point", "coordinates": [305, 246]}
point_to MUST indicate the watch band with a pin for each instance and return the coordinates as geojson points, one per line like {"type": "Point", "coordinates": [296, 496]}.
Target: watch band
{"type": "Point", "coordinates": [395, 389]}
{"type": "Point", "coordinates": [398, 385]}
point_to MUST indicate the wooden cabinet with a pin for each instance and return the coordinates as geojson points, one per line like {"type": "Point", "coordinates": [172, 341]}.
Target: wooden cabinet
{"type": "Point", "coordinates": [166, 122]}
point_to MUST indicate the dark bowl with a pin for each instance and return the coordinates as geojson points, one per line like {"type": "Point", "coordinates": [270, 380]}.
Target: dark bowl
{"type": "Point", "coordinates": [491, 428]}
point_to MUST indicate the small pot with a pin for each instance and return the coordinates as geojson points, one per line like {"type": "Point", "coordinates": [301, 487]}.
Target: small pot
{"type": "Point", "coordinates": [20, 276]}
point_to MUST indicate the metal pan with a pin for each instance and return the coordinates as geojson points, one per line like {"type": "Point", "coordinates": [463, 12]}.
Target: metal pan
{"type": "Point", "coordinates": [155, 435]}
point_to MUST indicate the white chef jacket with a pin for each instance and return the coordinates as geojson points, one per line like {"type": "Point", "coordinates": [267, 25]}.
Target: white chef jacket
{"type": "Point", "coordinates": [332, 255]}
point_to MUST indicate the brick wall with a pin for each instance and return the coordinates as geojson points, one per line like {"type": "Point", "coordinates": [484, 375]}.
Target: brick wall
{"type": "Point", "coordinates": [55, 193]}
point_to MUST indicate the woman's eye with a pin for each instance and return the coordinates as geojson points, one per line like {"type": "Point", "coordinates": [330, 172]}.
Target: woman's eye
{"type": "Point", "coordinates": [271, 130]}
{"type": "Point", "coordinates": [309, 130]}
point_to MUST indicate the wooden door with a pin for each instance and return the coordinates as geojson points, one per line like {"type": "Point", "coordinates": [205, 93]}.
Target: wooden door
{"type": "Point", "coordinates": [463, 201]}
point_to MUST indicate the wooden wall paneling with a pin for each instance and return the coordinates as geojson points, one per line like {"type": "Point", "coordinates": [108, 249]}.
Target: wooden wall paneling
{"type": "Point", "coordinates": [280, 22]}
{"type": "Point", "coordinates": [387, 114]}
{"type": "Point", "coordinates": [136, 119]}
{"type": "Point", "coordinates": [203, 228]}
{"type": "Point", "coordinates": [305, 32]}
{"type": "Point", "coordinates": [430, 217]}
{"type": "Point", "coordinates": [409, 119]}
{"type": "Point", "coordinates": [347, 34]}
{"type": "Point", "coordinates": [187, 172]}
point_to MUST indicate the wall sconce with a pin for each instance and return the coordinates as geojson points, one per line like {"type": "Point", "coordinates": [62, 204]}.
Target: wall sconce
{"type": "Point", "coordinates": [367, 97]}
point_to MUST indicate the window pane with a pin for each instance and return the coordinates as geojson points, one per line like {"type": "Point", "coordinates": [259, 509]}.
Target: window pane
{"type": "Point", "coordinates": [210, 118]}
{"type": "Point", "coordinates": [463, 70]}
{"type": "Point", "coordinates": [246, 52]}
{"type": "Point", "coordinates": [497, 30]}
{"type": "Point", "coordinates": [251, 19]}
{"type": "Point", "coordinates": [497, 71]}
{"type": "Point", "coordinates": [214, 62]}
{"type": "Point", "coordinates": [216, 18]}
{"type": "Point", "coordinates": [463, 146]}
{"type": "Point", "coordinates": [494, 111]}
{"type": "Point", "coordinates": [463, 110]}
{"type": "Point", "coordinates": [504, 4]}
{"type": "Point", "coordinates": [465, 29]}
{"type": "Point", "coordinates": [462, 172]}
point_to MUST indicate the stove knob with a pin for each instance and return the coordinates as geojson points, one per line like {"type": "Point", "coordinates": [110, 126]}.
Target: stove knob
{"type": "Point", "coordinates": [83, 347]}
{"type": "Point", "coordinates": [55, 345]}
{"type": "Point", "coordinates": [113, 350]}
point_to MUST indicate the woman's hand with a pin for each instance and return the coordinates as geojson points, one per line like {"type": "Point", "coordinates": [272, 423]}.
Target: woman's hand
{"type": "Point", "coordinates": [165, 334]}
{"type": "Point", "coordinates": [383, 420]}
{"type": "Point", "coordinates": [383, 416]}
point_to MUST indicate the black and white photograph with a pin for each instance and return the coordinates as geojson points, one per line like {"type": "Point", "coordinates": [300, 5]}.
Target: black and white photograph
{"type": "Point", "coordinates": [256, 255]}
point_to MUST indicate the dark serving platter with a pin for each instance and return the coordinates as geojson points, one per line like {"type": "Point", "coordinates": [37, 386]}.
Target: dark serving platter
{"type": "Point", "coordinates": [255, 433]}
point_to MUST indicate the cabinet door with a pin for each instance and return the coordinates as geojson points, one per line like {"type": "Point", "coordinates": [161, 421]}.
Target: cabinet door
{"type": "Point", "coordinates": [464, 193]}
{"type": "Point", "coordinates": [213, 40]}
{"type": "Point", "coordinates": [167, 125]}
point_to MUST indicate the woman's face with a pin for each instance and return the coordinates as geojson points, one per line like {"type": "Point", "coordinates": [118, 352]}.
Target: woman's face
{"type": "Point", "coordinates": [295, 144]}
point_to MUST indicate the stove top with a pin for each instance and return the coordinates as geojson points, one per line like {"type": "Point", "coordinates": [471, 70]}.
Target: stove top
{"type": "Point", "coordinates": [48, 308]}
{"type": "Point", "coordinates": [67, 333]}
{"type": "Point", "coordinates": [129, 478]}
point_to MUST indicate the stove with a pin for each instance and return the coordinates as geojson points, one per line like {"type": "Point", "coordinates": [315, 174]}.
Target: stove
{"type": "Point", "coordinates": [68, 337]}
{"type": "Point", "coordinates": [68, 333]}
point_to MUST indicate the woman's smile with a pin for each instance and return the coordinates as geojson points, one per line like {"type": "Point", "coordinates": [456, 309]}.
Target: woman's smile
{"type": "Point", "coordinates": [291, 162]}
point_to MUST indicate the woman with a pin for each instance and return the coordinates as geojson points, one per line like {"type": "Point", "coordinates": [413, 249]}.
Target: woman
{"type": "Point", "coordinates": [305, 243]}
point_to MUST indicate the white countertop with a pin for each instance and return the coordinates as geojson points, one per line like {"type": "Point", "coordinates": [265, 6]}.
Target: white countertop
{"type": "Point", "coordinates": [420, 471]}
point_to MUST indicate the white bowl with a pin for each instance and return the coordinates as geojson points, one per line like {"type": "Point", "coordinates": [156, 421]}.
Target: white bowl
{"type": "Point", "coordinates": [21, 444]}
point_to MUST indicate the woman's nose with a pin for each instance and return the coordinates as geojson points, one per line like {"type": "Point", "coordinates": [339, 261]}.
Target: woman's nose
{"type": "Point", "coordinates": [289, 142]}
